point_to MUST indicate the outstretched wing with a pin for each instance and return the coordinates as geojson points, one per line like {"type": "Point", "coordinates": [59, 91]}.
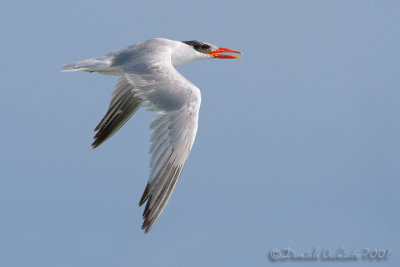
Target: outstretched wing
{"type": "Point", "coordinates": [173, 132]}
{"type": "Point", "coordinates": [124, 104]}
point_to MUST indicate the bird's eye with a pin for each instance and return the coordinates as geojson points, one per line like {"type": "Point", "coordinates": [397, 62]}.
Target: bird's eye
{"type": "Point", "coordinates": [205, 46]}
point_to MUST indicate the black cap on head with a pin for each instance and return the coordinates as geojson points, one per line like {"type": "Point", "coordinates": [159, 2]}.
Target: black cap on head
{"type": "Point", "coordinates": [199, 46]}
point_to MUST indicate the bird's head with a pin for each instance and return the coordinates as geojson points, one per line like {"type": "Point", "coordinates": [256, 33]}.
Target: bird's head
{"type": "Point", "coordinates": [193, 50]}
{"type": "Point", "coordinates": [212, 51]}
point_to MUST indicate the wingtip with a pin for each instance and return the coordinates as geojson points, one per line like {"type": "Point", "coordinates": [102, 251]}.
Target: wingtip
{"type": "Point", "coordinates": [146, 226]}
{"type": "Point", "coordinates": [99, 139]}
{"type": "Point", "coordinates": [95, 144]}
{"type": "Point", "coordinates": [145, 195]}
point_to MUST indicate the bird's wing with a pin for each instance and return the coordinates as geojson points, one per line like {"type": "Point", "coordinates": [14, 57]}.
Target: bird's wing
{"type": "Point", "coordinates": [124, 104]}
{"type": "Point", "coordinates": [173, 132]}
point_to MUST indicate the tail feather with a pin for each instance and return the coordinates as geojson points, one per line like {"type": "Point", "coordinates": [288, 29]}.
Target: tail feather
{"type": "Point", "coordinates": [90, 65]}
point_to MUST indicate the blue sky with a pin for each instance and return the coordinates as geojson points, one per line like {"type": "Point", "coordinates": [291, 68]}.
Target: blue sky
{"type": "Point", "coordinates": [298, 142]}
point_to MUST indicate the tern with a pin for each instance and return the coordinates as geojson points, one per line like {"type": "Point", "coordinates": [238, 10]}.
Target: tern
{"type": "Point", "coordinates": [148, 77]}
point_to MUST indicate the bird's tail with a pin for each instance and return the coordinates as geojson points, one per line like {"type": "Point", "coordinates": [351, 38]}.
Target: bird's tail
{"type": "Point", "coordinates": [89, 65]}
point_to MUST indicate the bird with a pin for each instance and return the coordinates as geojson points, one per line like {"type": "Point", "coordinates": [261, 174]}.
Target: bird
{"type": "Point", "coordinates": [148, 76]}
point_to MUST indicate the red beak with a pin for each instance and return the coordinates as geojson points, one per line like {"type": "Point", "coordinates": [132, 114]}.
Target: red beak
{"type": "Point", "coordinates": [222, 50]}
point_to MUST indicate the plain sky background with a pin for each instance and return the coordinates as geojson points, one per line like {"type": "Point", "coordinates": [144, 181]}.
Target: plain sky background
{"type": "Point", "coordinates": [298, 142]}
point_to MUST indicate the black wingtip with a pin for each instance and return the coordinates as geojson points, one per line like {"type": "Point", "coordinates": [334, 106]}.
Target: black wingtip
{"type": "Point", "coordinates": [146, 226]}
{"type": "Point", "coordinates": [145, 195]}
{"type": "Point", "coordinates": [96, 143]}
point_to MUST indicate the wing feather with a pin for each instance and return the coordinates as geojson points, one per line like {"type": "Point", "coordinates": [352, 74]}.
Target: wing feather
{"type": "Point", "coordinates": [123, 105]}
{"type": "Point", "coordinates": [173, 132]}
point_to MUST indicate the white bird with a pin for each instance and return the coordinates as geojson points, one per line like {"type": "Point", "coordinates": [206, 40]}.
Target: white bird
{"type": "Point", "coordinates": [148, 76]}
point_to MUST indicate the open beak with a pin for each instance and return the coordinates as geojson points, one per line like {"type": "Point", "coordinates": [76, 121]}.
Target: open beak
{"type": "Point", "coordinates": [224, 50]}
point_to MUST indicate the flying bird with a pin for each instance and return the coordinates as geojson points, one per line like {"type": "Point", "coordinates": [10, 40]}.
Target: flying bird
{"type": "Point", "coordinates": [148, 77]}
